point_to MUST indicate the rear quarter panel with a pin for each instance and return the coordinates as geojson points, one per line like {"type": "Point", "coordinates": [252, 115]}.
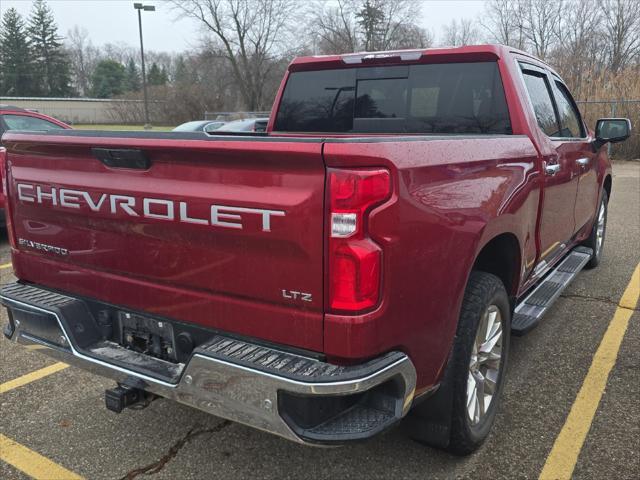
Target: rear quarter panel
{"type": "Point", "coordinates": [451, 197]}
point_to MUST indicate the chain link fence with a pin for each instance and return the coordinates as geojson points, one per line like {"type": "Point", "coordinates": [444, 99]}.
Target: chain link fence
{"type": "Point", "coordinates": [592, 110]}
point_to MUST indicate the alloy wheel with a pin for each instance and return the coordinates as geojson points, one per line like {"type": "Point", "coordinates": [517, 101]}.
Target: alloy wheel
{"type": "Point", "coordinates": [484, 366]}
{"type": "Point", "coordinates": [600, 228]}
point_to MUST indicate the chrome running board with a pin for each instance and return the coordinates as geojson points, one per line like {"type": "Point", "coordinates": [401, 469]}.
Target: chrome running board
{"type": "Point", "coordinates": [530, 311]}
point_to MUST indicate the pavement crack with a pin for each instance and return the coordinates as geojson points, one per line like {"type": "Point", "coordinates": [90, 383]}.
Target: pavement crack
{"type": "Point", "coordinates": [159, 464]}
{"type": "Point", "coordinates": [598, 299]}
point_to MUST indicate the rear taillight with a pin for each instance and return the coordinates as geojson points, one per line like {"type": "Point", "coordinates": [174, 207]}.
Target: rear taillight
{"type": "Point", "coordinates": [3, 159]}
{"type": "Point", "coordinates": [4, 196]}
{"type": "Point", "coordinates": [355, 260]}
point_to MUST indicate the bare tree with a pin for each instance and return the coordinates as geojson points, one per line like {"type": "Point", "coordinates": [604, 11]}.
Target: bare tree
{"type": "Point", "coordinates": [251, 34]}
{"type": "Point", "coordinates": [411, 36]}
{"type": "Point", "coordinates": [579, 51]}
{"type": "Point", "coordinates": [458, 33]}
{"type": "Point", "coordinates": [120, 52]}
{"type": "Point", "coordinates": [335, 26]}
{"type": "Point", "coordinates": [622, 31]}
{"type": "Point", "coordinates": [500, 20]}
{"type": "Point", "coordinates": [539, 21]}
{"type": "Point", "coordinates": [84, 57]}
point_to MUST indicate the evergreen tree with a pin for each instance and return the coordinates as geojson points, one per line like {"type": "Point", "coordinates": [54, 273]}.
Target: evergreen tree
{"type": "Point", "coordinates": [156, 76]}
{"type": "Point", "coordinates": [15, 56]}
{"type": "Point", "coordinates": [181, 73]}
{"type": "Point", "coordinates": [164, 76]}
{"type": "Point", "coordinates": [108, 79]}
{"type": "Point", "coordinates": [371, 19]}
{"type": "Point", "coordinates": [133, 83]}
{"type": "Point", "coordinates": [51, 61]}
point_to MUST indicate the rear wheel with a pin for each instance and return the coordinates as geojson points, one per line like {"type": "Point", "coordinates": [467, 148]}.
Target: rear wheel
{"type": "Point", "coordinates": [480, 358]}
{"type": "Point", "coordinates": [598, 232]}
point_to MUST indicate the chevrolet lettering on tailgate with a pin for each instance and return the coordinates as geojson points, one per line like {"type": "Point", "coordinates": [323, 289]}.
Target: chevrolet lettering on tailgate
{"type": "Point", "coordinates": [226, 216]}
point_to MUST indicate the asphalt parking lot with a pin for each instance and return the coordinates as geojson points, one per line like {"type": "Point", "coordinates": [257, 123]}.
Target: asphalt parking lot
{"type": "Point", "coordinates": [55, 425]}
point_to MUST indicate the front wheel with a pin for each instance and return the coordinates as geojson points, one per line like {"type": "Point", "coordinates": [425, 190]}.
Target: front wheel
{"type": "Point", "coordinates": [480, 359]}
{"type": "Point", "coordinates": [596, 239]}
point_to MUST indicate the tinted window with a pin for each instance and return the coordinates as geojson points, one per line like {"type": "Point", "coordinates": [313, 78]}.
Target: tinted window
{"type": "Point", "coordinates": [318, 102]}
{"type": "Point", "coordinates": [542, 103]}
{"type": "Point", "coordinates": [25, 122]}
{"type": "Point", "coordinates": [381, 99]}
{"type": "Point", "coordinates": [458, 98]}
{"type": "Point", "coordinates": [570, 123]}
{"type": "Point", "coordinates": [384, 98]}
{"type": "Point", "coordinates": [438, 98]}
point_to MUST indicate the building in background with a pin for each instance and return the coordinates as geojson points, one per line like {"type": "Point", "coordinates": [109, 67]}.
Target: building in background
{"type": "Point", "coordinates": [74, 110]}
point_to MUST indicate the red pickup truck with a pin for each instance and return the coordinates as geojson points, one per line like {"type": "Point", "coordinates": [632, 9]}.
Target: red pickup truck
{"type": "Point", "coordinates": [363, 261]}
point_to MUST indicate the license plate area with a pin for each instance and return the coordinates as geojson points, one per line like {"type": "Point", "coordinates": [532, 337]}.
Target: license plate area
{"type": "Point", "coordinates": [147, 335]}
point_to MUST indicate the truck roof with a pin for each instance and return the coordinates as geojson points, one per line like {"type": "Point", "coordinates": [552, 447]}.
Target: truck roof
{"type": "Point", "coordinates": [440, 54]}
{"type": "Point", "coordinates": [13, 108]}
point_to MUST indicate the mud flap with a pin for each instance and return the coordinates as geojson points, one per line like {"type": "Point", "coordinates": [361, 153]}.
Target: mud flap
{"type": "Point", "coordinates": [429, 421]}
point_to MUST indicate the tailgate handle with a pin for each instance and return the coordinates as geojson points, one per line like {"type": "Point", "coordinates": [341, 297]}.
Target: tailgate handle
{"type": "Point", "coordinates": [122, 158]}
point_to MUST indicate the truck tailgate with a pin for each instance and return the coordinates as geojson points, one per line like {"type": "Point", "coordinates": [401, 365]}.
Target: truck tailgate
{"type": "Point", "coordinates": [224, 232]}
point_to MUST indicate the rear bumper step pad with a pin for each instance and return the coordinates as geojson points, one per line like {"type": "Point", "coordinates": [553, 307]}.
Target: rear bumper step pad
{"type": "Point", "coordinates": [530, 311]}
{"type": "Point", "coordinates": [260, 386]}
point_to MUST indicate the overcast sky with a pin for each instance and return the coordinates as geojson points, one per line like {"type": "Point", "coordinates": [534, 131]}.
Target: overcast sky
{"type": "Point", "coordinates": [116, 21]}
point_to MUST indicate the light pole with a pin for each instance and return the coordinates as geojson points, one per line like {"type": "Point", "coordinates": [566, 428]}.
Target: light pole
{"type": "Point", "coordinates": [148, 8]}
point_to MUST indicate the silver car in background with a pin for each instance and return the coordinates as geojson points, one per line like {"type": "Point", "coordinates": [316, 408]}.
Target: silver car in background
{"type": "Point", "coordinates": [206, 126]}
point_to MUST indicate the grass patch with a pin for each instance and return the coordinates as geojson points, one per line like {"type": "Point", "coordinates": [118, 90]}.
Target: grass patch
{"type": "Point", "coordinates": [136, 128]}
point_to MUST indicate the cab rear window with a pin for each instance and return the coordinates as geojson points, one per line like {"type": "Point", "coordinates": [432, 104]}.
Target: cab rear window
{"type": "Point", "coordinates": [451, 98]}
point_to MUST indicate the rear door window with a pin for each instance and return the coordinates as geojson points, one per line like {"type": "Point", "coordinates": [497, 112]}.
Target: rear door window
{"type": "Point", "coordinates": [463, 98]}
{"type": "Point", "coordinates": [571, 125]}
{"type": "Point", "coordinates": [540, 97]}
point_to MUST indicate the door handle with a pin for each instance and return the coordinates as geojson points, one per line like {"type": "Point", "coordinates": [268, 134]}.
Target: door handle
{"type": "Point", "coordinates": [551, 170]}
{"type": "Point", "coordinates": [583, 162]}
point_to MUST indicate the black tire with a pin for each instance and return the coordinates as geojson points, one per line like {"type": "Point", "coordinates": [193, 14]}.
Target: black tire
{"type": "Point", "coordinates": [483, 290]}
{"type": "Point", "coordinates": [592, 241]}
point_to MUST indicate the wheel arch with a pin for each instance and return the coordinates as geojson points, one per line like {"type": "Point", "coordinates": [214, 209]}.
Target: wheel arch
{"type": "Point", "coordinates": [501, 256]}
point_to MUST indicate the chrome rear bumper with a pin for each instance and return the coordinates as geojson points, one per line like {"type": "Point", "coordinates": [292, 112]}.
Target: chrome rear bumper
{"type": "Point", "coordinates": [260, 386]}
